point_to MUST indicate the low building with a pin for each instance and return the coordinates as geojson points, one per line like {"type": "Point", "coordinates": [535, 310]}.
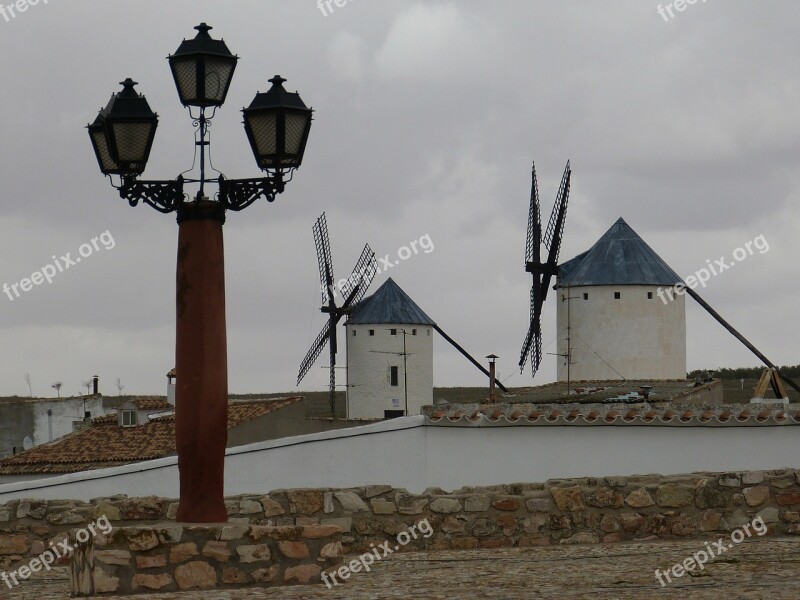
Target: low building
{"type": "Point", "coordinates": [30, 422]}
{"type": "Point", "coordinates": [143, 429]}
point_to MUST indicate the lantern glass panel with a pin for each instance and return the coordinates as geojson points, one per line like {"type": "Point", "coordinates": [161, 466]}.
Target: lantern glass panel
{"type": "Point", "coordinates": [264, 128]}
{"type": "Point", "coordinates": [185, 73]}
{"type": "Point", "coordinates": [219, 72]}
{"type": "Point", "coordinates": [295, 133]}
{"type": "Point", "coordinates": [107, 164]}
{"type": "Point", "coordinates": [132, 141]}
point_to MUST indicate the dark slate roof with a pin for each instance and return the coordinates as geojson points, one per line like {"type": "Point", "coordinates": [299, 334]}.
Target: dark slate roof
{"type": "Point", "coordinates": [389, 305]}
{"type": "Point", "coordinates": [620, 257]}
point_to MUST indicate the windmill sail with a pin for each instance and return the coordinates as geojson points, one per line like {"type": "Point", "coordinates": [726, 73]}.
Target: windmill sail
{"type": "Point", "coordinates": [542, 272]}
{"type": "Point", "coordinates": [352, 290]}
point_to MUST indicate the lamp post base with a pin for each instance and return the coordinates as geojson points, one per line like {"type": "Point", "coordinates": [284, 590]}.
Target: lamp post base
{"type": "Point", "coordinates": [201, 394]}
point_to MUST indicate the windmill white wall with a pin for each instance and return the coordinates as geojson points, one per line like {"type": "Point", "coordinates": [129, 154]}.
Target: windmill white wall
{"type": "Point", "coordinates": [372, 353]}
{"type": "Point", "coordinates": [636, 335]}
{"type": "Point", "coordinates": [618, 324]}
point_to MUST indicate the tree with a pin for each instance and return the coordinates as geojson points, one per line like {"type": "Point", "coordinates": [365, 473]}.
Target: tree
{"type": "Point", "coordinates": [57, 387]}
{"type": "Point", "coordinates": [120, 387]}
{"type": "Point", "coordinates": [28, 381]}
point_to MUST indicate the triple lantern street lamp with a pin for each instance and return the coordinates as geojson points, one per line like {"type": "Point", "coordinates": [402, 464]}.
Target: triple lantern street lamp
{"type": "Point", "coordinates": [277, 125]}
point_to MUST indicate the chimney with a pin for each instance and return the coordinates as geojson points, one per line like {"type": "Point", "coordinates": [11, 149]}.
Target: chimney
{"type": "Point", "coordinates": [492, 372]}
{"type": "Point", "coordinates": [95, 385]}
{"type": "Point", "coordinates": [171, 387]}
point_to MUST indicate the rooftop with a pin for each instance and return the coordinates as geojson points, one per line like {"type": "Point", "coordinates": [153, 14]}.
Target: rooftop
{"type": "Point", "coordinates": [620, 257]}
{"type": "Point", "coordinates": [600, 391]}
{"type": "Point", "coordinates": [389, 305]}
{"type": "Point", "coordinates": [106, 444]}
{"type": "Point", "coordinates": [617, 414]}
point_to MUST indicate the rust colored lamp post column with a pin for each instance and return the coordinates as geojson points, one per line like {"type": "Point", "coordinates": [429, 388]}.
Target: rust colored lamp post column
{"type": "Point", "coordinates": [277, 124]}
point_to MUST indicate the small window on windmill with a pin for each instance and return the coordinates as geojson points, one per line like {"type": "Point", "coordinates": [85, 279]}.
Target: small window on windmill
{"type": "Point", "coordinates": [585, 296]}
{"type": "Point", "coordinates": [354, 333]}
{"type": "Point", "coordinates": [649, 295]}
{"type": "Point", "coordinates": [393, 378]}
{"type": "Point", "coordinates": [413, 332]}
{"type": "Point", "coordinates": [617, 295]}
{"type": "Point", "coordinates": [372, 332]}
{"type": "Point", "coordinates": [393, 331]}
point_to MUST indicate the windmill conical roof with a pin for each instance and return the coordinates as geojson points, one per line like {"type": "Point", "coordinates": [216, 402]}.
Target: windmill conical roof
{"type": "Point", "coordinates": [390, 304]}
{"type": "Point", "coordinates": [620, 257]}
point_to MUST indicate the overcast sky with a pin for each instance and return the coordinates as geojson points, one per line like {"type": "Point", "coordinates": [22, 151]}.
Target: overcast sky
{"type": "Point", "coordinates": [427, 117]}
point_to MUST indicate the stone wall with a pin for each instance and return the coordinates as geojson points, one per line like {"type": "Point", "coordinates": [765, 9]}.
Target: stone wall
{"type": "Point", "coordinates": [587, 510]}
{"type": "Point", "coordinates": [174, 557]}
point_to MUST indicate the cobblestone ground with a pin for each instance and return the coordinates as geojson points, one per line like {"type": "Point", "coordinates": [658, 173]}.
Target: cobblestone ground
{"type": "Point", "coordinates": [756, 569]}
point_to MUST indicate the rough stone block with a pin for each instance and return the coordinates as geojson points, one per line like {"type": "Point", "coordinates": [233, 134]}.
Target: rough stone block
{"type": "Point", "coordinates": [182, 552]}
{"type": "Point", "coordinates": [343, 523]}
{"type": "Point", "coordinates": [319, 531]}
{"type": "Point", "coordinates": [113, 557]}
{"type": "Point", "coordinates": [195, 575]}
{"type": "Point", "coordinates": [674, 495]}
{"type": "Point", "coordinates": [217, 550]}
{"type": "Point", "coordinates": [756, 495]}
{"type": "Point", "coordinates": [150, 582]}
{"type": "Point", "coordinates": [293, 549]}
{"type": "Point", "coordinates": [150, 562]}
{"type": "Point", "coordinates": [446, 505]}
{"type": "Point", "coordinates": [14, 544]}
{"type": "Point", "coordinates": [568, 499]}
{"type": "Point", "coordinates": [351, 502]}
{"type": "Point", "coordinates": [306, 502]}
{"type": "Point", "coordinates": [302, 574]}
{"type": "Point", "coordinates": [265, 575]}
{"type": "Point", "coordinates": [254, 553]}
{"type": "Point", "coordinates": [477, 503]}
{"type": "Point", "coordinates": [507, 504]}
{"type": "Point", "coordinates": [381, 506]}
{"type": "Point", "coordinates": [371, 491]}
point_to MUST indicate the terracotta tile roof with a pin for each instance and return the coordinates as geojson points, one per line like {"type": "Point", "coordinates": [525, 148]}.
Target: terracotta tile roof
{"type": "Point", "coordinates": [643, 413]}
{"type": "Point", "coordinates": [106, 444]}
{"type": "Point", "coordinates": [151, 403]}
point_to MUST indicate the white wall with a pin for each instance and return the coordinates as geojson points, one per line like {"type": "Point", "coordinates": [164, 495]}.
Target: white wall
{"type": "Point", "coordinates": [406, 453]}
{"type": "Point", "coordinates": [638, 338]}
{"type": "Point", "coordinates": [63, 413]}
{"type": "Point", "coordinates": [369, 358]}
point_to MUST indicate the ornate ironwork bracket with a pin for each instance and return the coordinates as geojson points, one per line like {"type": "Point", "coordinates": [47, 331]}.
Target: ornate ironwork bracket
{"type": "Point", "coordinates": [164, 196]}
{"type": "Point", "coordinates": [168, 196]}
{"type": "Point", "coordinates": [238, 194]}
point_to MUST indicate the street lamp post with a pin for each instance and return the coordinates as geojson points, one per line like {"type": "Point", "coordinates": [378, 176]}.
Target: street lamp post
{"type": "Point", "coordinates": [277, 124]}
